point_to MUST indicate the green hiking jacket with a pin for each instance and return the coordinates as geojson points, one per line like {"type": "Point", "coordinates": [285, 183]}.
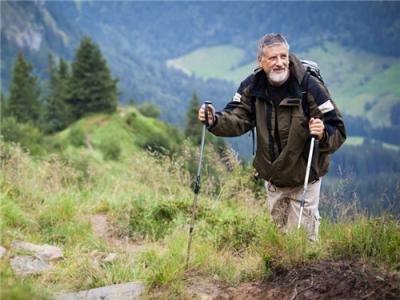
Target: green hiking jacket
{"type": "Point", "coordinates": [283, 139]}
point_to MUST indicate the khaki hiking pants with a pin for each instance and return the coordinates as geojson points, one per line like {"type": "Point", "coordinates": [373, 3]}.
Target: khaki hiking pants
{"type": "Point", "coordinates": [284, 206]}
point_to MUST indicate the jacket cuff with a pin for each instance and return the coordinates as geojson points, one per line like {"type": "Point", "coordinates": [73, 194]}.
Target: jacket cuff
{"type": "Point", "coordinates": [324, 140]}
{"type": "Point", "coordinates": [214, 123]}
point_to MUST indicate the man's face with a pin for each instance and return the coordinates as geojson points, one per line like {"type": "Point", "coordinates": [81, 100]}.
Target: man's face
{"type": "Point", "coordinates": [275, 63]}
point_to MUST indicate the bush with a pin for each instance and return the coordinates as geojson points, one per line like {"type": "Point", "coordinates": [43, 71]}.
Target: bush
{"type": "Point", "coordinates": [131, 118]}
{"type": "Point", "coordinates": [236, 231]}
{"type": "Point", "coordinates": [77, 137]}
{"type": "Point", "coordinates": [157, 142]}
{"type": "Point", "coordinates": [25, 134]}
{"type": "Point", "coordinates": [149, 109]}
{"type": "Point", "coordinates": [111, 150]}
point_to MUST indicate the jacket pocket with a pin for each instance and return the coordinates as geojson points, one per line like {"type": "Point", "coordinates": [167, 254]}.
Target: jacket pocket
{"type": "Point", "coordinates": [263, 165]}
{"type": "Point", "coordinates": [319, 165]}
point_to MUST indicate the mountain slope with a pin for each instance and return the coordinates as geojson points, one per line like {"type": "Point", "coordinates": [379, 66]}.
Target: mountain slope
{"type": "Point", "coordinates": [138, 38]}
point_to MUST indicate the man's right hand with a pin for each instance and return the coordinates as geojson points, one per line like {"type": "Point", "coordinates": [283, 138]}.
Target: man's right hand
{"type": "Point", "coordinates": [211, 114]}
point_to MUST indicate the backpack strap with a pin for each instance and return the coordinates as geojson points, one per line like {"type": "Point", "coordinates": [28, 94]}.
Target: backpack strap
{"type": "Point", "coordinates": [306, 107]}
{"type": "Point", "coordinates": [254, 140]}
{"type": "Point", "coordinates": [304, 98]}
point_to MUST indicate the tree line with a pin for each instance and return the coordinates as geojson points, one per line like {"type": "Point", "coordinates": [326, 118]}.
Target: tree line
{"type": "Point", "coordinates": [359, 126]}
{"type": "Point", "coordinates": [72, 91]}
{"type": "Point", "coordinates": [34, 109]}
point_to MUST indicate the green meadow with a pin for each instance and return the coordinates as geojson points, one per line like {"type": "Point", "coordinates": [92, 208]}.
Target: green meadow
{"type": "Point", "coordinates": [136, 173]}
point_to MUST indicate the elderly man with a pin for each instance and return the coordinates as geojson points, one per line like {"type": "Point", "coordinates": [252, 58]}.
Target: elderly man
{"type": "Point", "coordinates": [287, 106]}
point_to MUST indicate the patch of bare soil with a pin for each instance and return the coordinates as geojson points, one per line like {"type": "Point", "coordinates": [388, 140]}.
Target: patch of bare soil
{"type": "Point", "coordinates": [103, 229]}
{"type": "Point", "coordinates": [318, 280]}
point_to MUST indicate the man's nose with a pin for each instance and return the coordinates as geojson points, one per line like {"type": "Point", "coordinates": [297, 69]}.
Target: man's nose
{"type": "Point", "coordinates": [279, 61]}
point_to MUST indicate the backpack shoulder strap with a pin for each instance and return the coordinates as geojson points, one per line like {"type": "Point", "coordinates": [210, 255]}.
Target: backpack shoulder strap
{"type": "Point", "coordinates": [304, 98]}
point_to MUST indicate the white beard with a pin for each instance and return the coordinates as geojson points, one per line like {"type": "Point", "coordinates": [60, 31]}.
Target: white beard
{"type": "Point", "coordinates": [278, 78]}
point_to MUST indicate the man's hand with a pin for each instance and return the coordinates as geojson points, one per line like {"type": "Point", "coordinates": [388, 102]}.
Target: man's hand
{"type": "Point", "coordinates": [211, 114]}
{"type": "Point", "coordinates": [316, 128]}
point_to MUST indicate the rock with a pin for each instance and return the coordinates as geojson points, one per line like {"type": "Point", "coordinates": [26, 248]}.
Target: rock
{"type": "Point", "coordinates": [29, 265]}
{"type": "Point", "coordinates": [125, 291]}
{"type": "Point", "coordinates": [110, 257]}
{"type": "Point", "coordinates": [3, 252]}
{"type": "Point", "coordinates": [45, 251]}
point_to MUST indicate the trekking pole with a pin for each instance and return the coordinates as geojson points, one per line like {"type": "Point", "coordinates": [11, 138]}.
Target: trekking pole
{"type": "Point", "coordinates": [196, 187]}
{"type": "Point", "coordinates": [303, 195]}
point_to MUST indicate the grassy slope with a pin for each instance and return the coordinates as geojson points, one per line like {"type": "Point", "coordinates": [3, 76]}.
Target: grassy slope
{"type": "Point", "coordinates": [359, 140]}
{"type": "Point", "coordinates": [50, 199]}
{"type": "Point", "coordinates": [356, 79]}
{"type": "Point", "coordinates": [214, 62]}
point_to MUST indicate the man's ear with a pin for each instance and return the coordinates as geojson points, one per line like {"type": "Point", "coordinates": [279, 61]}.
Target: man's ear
{"type": "Point", "coordinates": [259, 60]}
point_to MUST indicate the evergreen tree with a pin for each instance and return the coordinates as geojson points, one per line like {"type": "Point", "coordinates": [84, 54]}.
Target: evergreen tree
{"type": "Point", "coordinates": [57, 115]}
{"type": "Point", "coordinates": [192, 125]}
{"type": "Point", "coordinates": [3, 106]}
{"type": "Point", "coordinates": [24, 102]}
{"type": "Point", "coordinates": [92, 88]}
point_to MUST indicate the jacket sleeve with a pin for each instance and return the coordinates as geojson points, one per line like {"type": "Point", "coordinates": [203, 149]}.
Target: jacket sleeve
{"type": "Point", "coordinates": [321, 105]}
{"type": "Point", "coordinates": [237, 117]}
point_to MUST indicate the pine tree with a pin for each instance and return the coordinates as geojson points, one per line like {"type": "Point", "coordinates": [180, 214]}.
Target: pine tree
{"type": "Point", "coordinates": [3, 106]}
{"type": "Point", "coordinates": [57, 115]}
{"type": "Point", "coordinates": [192, 125]}
{"type": "Point", "coordinates": [24, 102]}
{"type": "Point", "coordinates": [92, 87]}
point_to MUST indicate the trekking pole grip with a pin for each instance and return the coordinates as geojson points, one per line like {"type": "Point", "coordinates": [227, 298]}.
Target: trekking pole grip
{"type": "Point", "coordinates": [206, 104]}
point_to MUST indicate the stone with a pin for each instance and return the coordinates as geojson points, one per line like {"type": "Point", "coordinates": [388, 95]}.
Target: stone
{"type": "Point", "coordinates": [29, 265]}
{"type": "Point", "coordinates": [45, 251]}
{"type": "Point", "coordinates": [124, 291]}
{"type": "Point", "coordinates": [3, 252]}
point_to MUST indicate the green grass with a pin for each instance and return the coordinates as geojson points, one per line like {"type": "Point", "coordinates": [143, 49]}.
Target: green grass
{"type": "Point", "coordinates": [361, 83]}
{"type": "Point", "coordinates": [147, 198]}
{"type": "Point", "coordinates": [359, 140]}
{"type": "Point", "coordinates": [354, 140]}
{"type": "Point", "coordinates": [224, 62]}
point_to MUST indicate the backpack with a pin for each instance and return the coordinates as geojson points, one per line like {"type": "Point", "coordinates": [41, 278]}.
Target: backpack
{"type": "Point", "coordinates": [312, 69]}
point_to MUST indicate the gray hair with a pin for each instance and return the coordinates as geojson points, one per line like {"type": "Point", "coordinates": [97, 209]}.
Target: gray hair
{"type": "Point", "coordinates": [271, 39]}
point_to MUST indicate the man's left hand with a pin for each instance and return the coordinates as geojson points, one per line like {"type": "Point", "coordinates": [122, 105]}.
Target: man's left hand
{"type": "Point", "coordinates": [316, 128]}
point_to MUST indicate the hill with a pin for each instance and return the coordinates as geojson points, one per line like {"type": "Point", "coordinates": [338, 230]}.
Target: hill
{"type": "Point", "coordinates": [119, 213]}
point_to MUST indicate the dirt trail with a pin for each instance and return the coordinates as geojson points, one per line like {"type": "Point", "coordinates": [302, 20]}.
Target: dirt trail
{"type": "Point", "coordinates": [102, 228]}
{"type": "Point", "coordinates": [319, 280]}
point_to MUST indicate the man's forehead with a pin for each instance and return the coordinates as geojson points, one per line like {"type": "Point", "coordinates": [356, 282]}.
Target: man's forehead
{"type": "Point", "coordinates": [275, 48]}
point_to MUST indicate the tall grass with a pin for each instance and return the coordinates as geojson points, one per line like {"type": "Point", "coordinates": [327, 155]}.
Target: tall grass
{"type": "Point", "coordinates": [147, 198]}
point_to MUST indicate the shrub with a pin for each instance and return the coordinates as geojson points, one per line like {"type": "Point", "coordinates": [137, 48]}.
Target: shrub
{"type": "Point", "coordinates": [77, 137]}
{"type": "Point", "coordinates": [111, 150]}
{"type": "Point", "coordinates": [131, 118]}
{"type": "Point", "coordinates": [25, 134]}
{"type": "Point", "coordinates": [149, 109]}
{"type": "Point", "coordinates": [157, 142]}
